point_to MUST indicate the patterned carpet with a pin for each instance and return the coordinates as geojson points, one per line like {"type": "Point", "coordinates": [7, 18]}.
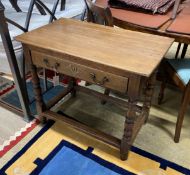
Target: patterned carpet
{"type": "Point", "coordinates": [58, 149]}
{"type": "Point", "coordinates": [14, 128]}
{"type": "Point", "coordinates": [11, 126]}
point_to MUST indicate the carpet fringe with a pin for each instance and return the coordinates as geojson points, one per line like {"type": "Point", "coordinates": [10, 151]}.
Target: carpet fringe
{"type": "Point", "coordinates": [18, 134]}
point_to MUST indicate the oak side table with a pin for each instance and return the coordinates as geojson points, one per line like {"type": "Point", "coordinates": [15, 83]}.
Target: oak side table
{"type": "Point", "coordinates": [117, 59]}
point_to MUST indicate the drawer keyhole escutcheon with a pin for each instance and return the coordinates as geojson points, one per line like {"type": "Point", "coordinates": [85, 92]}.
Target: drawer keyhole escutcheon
{"type": "Point", "coordinates": [74, 69]}
{"type": "Point", "coordinates": [100, 83]}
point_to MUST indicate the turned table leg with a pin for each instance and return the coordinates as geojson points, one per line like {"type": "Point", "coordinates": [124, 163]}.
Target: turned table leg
{"type": "Point", "coordinates": [40, 105]}
{"type": "Point", "coordinates": [133, 94]}
{"type": "Point", "coordinates": [126, 140]}
{"type": "Point", "coordinates": [63, 2]}
{"type": "Point", "coordinates": [148, 93]}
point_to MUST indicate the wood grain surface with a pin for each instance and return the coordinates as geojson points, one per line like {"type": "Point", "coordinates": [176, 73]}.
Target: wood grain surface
{"type": "Point", "coordinates": [126, 50]}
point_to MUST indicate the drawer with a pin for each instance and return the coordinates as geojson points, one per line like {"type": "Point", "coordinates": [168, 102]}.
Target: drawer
{"type": "Point", "coordinates": [86, 73]}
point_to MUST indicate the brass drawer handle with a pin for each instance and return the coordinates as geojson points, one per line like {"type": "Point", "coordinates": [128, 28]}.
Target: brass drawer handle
{"type": "Point", "coordinates": [99, 83]}
{"type": "Point", "coordinates": [55, 67]}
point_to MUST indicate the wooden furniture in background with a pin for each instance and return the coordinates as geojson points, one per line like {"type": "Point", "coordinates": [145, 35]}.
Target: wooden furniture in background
{"type": "Point", "coordinates": [120, 20]}
{"type": "Point", "coordinates": [175, 9]}
{"type": "Point", "coordinates": [100, 55]}
{"type": "Point", "coordinates": [177, 70]}
{"type": "Point", "coordinates": [98, 15]}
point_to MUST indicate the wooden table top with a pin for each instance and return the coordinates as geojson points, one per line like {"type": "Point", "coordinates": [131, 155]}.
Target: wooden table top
{"type": "Point", "coordinates": [125, 50]}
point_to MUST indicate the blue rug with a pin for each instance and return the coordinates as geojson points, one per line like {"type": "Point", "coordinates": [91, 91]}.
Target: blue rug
{"type": "Point", "coordinates": [13, 99]}
{"type": "Point", "coordinates": [83, 162]}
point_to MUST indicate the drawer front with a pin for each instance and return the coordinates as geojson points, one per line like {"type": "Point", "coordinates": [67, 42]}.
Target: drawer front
{"type": "Point", "coordinates": [88, 74]}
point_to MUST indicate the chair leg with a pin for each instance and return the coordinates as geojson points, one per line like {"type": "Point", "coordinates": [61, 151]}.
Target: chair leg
{"type": "Point", "coordinates": [83, 14]}
{"type": "Point", "coordinates": [63, 5]}
{"type": "Point", "coordinates": [178, 49]}
{"type": "Point", "coordinates": [184, 50]}
{"type": "Point", "coordinates": [183, 108]}
{"type": "Point", "coordinates": [40, 9]}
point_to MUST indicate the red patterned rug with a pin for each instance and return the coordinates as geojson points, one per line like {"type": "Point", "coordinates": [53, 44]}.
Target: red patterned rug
{"type": "Point", "coordinates": [12, 127]}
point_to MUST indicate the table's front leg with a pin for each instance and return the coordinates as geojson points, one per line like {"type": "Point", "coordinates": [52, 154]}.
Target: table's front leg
{"type": "Point", "coordinates": [148, 93]}
{"type": "Point", "coordinates": [133, 94]}
{"type": "Point", "coordinates": [128, 131]}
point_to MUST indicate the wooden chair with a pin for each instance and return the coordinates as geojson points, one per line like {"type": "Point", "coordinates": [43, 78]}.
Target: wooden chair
{"type": "Point", "coordinates": [178, 70]}
{"type": "Point", "coordinates": [174, 14]}
{"type": "Point", "coordinates": [99, 15]}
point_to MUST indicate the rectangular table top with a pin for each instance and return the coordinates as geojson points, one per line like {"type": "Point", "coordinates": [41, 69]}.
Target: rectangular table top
{"type": "Point", "coordinates": [125, 50]}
